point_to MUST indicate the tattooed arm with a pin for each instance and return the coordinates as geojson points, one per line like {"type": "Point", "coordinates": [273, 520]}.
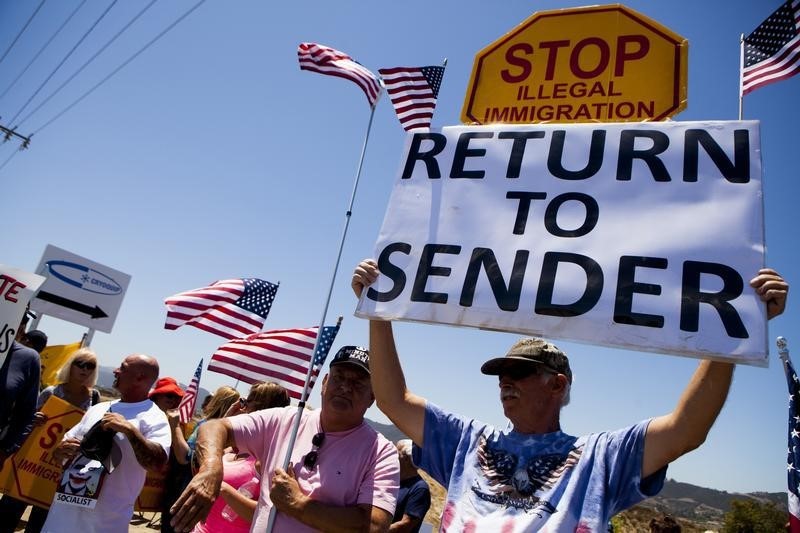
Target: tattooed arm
{"type": "Point", "coordinates": [149, 454]}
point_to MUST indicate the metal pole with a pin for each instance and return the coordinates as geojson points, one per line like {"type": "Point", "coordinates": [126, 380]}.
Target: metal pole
{"type": "Point", "coordinates": [741, 73]}
{"type": "Point", "coordinates": [304, 396]}
{"type": "Point", "coordinates": [87, 339]}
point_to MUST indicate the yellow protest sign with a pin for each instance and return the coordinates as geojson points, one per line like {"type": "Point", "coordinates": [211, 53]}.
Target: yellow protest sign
{"type": "Point", "coordinates": [604, 63]}
{"type": "Point", "coordinates": [53, 357]}
{"type": "Point", "coordinates": [31, 474]}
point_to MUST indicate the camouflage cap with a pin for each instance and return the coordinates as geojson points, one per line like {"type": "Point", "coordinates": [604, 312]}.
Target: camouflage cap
{"type": "Point", "coordinates": [531, 350]}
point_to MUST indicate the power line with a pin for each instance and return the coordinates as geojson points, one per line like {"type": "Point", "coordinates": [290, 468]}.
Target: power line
{"type": "Point", "coordinates": [42, 49]}
{"type": "Point", "coordinates": [92, 27]}
{"type": "Point", "coordinates": [86, 64]}
{"type": "Point", "coordinates": [120, 67]}
{"type": "Point", "coordinates": [25, 27]}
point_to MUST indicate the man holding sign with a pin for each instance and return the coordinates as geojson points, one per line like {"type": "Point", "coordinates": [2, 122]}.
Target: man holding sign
{"type": "Point", "coordinates": [19, 365]}
{"type": "Point", "coordinates": [535, 476]}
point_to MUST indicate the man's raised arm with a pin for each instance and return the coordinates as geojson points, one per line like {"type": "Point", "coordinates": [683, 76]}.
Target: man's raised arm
{"type": "Point", "coordinates": [198, 497]}
{"type": "Point", "coordinates": [684, 429]}
{"type": "Point", "coordinates": [405, 409]}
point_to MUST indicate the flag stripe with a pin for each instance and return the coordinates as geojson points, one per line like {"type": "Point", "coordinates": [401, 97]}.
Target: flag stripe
{"type": "Point", "coordinates": [189, 400]}
{"type": "Point", "coordinates": [325, 60]}
{"type": "Point", "coordinates": [413, 92]}
{"type": "Point", "coordinates": [283, 356]}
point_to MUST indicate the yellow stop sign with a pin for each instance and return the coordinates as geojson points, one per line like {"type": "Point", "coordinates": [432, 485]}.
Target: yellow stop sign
{"type": "Point", "coordinates": [587, 64]}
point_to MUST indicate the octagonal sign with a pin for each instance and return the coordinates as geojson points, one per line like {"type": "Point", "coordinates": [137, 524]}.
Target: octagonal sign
{"type": "Point", "coordinates": [587, 64]}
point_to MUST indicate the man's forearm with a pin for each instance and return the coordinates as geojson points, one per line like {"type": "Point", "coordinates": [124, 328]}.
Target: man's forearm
{"type": "Point", "coordinates": [333, 519]}
{"type": "Point", "coordinates": [149, 454]}
{"type": "Point", "coordinates": [212, 439]}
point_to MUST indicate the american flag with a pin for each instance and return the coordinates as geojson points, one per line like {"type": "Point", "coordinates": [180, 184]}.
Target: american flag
{"type": "Point", "coordinates": [280, 355]}
{"type": "Point", "coordinates": [231, 308]}
{"type": "Point", "coordinates": [793, 461]}
{"type": "Point", "coordinates": [189, 400]}
{"type": "Point", "coordinates": [772, 51]}
{"type": "Point", "coordinates": [325, 60]}
{"type": "Point", "coordinates": [413, 91]}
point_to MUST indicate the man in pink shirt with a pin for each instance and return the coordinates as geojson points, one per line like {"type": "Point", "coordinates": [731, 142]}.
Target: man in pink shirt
{"type": "Point", "coordinates": [343, 475]}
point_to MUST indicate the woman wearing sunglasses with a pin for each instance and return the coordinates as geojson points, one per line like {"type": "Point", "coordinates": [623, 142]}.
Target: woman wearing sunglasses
{"type": "Point", "coordinates": [233, 510]}
{"type": "Point", "coordinates": [76, 379]}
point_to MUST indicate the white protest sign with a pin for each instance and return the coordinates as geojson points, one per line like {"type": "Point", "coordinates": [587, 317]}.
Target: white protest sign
{"type": "Point", "coordinates": [16, 289]}
{"type": "Point", "coordinates": [79, 290]}
{"type": "Point", "coordinates": [641, 236]}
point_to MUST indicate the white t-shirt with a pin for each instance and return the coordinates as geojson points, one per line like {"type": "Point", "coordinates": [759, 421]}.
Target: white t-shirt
{"type": "Point", "coordinates": [120, 488]}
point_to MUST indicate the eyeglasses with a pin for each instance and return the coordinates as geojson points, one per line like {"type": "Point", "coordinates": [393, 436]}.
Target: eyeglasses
{"type": "Point", "coordinates": [518, 372]}
{"type": "Point", "coordinates": [85, 365]}
{"type": "Point", "coordinates": [310, 460]}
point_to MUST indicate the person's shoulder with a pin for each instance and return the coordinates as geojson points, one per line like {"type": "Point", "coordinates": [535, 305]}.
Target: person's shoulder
{"type": "Point", "coordinates": [22, 352]}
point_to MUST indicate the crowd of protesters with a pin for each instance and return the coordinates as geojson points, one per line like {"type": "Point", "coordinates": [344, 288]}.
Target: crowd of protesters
{"type": "Point", "coordinates": [226, 472]}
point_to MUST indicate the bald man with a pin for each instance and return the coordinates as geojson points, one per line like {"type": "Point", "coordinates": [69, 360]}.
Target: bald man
{"type": "Point", "coordinates": [139, 437]}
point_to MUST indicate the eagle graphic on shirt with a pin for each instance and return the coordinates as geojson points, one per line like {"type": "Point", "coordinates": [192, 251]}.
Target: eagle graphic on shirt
{"type": "Point", "coordinates": [519, 481]}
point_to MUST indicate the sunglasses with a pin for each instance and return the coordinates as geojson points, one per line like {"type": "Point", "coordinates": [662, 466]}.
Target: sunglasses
{"type": "Point", "coordinates": [85, 365]}
{"type": "Point", "coordinates": [518, 372]}
{"type": "Point", "coordinates": [310, 460]}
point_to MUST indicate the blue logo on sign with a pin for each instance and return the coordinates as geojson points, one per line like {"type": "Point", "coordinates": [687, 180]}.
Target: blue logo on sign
{"type": "Point", "coordinates": [83, 277]}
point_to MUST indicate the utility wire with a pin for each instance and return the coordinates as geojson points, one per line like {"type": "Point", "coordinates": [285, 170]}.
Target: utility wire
{"type": "Point", "coordinates": [86, 64]}
{"type": "Point", "coordinates": [25, 27]}
{"type": "Point", "coordinates": [42, 49]}
{"type": "Point", "coordinates": [92, 27]}
{"type": "Point", "coordinates": [123, 65]}
{"type": "Point", "coordinates": [15, 152]}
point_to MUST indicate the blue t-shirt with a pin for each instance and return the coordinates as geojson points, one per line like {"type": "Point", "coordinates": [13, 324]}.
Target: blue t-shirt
{"type": "Point", "coordinates": [509, 481]}
{"type": "Point", "coordinates": [413, 499]}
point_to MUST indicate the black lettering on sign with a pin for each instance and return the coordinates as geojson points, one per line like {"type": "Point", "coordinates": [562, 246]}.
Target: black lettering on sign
{"type": "Point", "coordinates": [524, 207]}
{"type": "Point", "coordinates": [551, 214]}
{"type": "Point", "coordinates": [391, 271]}
{"type": "Point", "coordinates": [427, 269]}
{"type": "Point", "coordinates": [556, 156]}
{"type": "Point", "coordinates": [691, 297]}
{"type": "Point", "coordinates": [589, 298]}
{"type": "Point", "coordinates": [506, 296]}
{"type": "Point", "coordinates": [518, 148]}
{"type": "Point", "coordinates": [429, 157]}
{"type": "Point", "coordinates": [627, 286]}
{"type": "Point", "coordinates": [628, 152]}
{"type": "Point", "coordinates": [463, 151]}
{"type": "Point", "coordinates": [737, 171]}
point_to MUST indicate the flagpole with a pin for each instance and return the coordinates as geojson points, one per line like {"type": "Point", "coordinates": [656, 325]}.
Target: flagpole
{"type": "Point", "coordinates": [741, 73]}
{"type": "Point", "coordinates": [783, 349]}
{"type": "Point", "coordinates": [304, 396]}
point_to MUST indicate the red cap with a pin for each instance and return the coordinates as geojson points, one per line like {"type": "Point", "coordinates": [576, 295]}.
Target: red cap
{"type": "Point", "coordinates": [166, 386]}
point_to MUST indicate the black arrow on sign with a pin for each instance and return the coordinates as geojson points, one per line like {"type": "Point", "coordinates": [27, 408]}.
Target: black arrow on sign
{"type": "Point", "coordinates": [94, 312]}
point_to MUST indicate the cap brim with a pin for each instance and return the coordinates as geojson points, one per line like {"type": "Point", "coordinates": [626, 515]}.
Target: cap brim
{"type": "Point", "coordinates": [493, 367]}
{"type": "Point", "coordinates": [357, 364]}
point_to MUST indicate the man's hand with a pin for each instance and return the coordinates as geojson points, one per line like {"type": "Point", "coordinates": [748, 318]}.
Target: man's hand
{"type": "Point", "coordinates": [39, 418]}
{"type": "Point", "coordinates": [173, 417]}
{"type": "Point", "coordinates": [196, 501]}
{"type": "Point", "coordinates": [365, 275]}
{"type": "Point", "coordinates": [66, 450]}
{"type": "Point", "coordinates": [116, 422]}
{"type": "Point", "coordinates": [285, 492]}
{"type": "Point", "coordinates": [772, 289]}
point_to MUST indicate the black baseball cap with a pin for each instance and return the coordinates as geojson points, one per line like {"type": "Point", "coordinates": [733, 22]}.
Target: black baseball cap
{"type": "Point", "coordinates": [353, 355]}
{"type": "Point", "coordinates": [534, 351]}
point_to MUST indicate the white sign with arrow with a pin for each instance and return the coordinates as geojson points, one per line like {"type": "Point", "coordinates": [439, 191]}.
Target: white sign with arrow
{"type": "Point", "coordinates": [79, 290]}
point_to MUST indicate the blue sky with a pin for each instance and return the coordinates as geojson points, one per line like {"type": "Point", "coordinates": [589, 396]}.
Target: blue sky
{"type": "Point", "coordinates": [213, 156]}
